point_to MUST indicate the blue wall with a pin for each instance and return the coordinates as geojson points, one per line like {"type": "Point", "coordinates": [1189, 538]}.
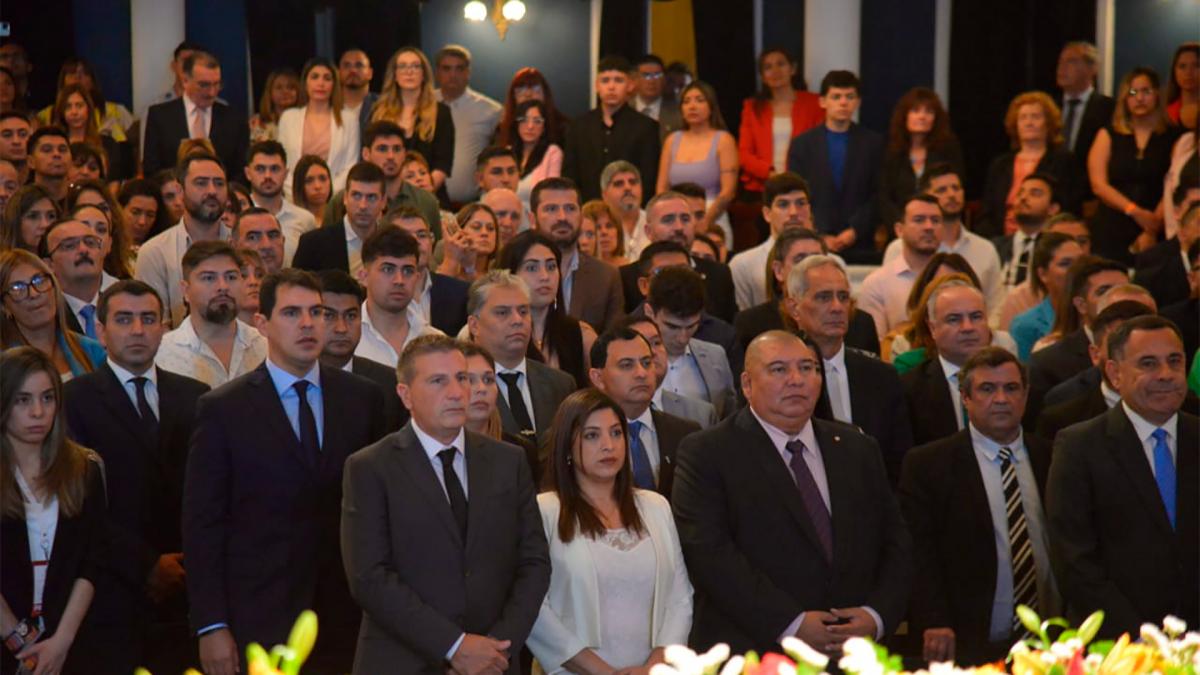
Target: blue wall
{"type": "Point", "coordinates": [102, 35]}
{"type": "Point", "coordinates": [1148, 31]}
{"type": "Point", "coordinates": [220, 27]}
{"type": "Point", "coordinates": [896, 54]}
{"type": "Point", "coordinates": [553, 37]}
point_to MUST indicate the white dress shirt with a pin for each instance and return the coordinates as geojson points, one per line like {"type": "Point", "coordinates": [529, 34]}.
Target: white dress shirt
{"type": "Point", "coordinates": [523, 385]}
{"type": "Point", "coordinates": [475, 118]}
{"type": "Point", "coordinates": [421, 305]}
{"type": "Point", "coordinates": [749, 271]}
{"type": "Point", "coordinates": [432, 447]}
{"type": "Point", "coordinates": [182, 351]}
{"type": "Point", "coordinates": [374, 346]}
{"type": "Point", "coordinates": [884, 294]}
{"type": "Point", "coordinates": [684, 377]}
{"type": "Point", "coordinates": [294, 222]}
{"type": "Point", "coordinates": [838, 386]}
{"type": "Point", "coordinates": [1145, 433]}
{"type": "Point", "coordinates": [634, 243]}
{"type": "Point", "coordinates": [1111, 397]}
{"type": "Point", "coordinates": [951, 372]}
{"type": "Point", "coordinates": [127, 378]}
{"type": "Point", "coordinates": [649, 437]}
{"type": "Point", "coordinates": [650, 109]}
{"type": "Point", "coordinates": [353, 248]}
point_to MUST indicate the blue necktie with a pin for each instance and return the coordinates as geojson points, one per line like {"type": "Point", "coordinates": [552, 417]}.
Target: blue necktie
{"type": "Point", "coordinates": [1164, 472]}
{"type": "Point", "coordinates": [88, 312]}
{"type": "Point", "coordinates": [643, 475]}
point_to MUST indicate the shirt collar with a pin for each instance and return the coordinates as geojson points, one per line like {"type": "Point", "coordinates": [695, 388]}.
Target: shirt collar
{"type": "Point", "coordinates": [656, 401]}
{"type": "Point", "coordinates": [124, 376]}
{"type": "Point", "coordinates": [948, 368]}
{"type": "Point", "coordinates": [351, 235]}
{"type": "Point", "coordinates": [284, 380]}
{"type": "Point", "coordinates": [190, 106]}
{"type": "Point", "coordinates": [1111, 396]}
{"type": "Point", "coordinates": [1144, 429]}
{"type": "Point", "coordinates": [646, 419]}
{"type": "Point", "coordinates": [521, 368]}
{"type": "Point", "coordinates": [432, 446]}
{"type": "Point", "coordinates": [991, 449]}
{"type": "Point", "coordinates": [838, 360]}
{"type": "Point", "coordinates": [1083, 97]}
{"type": "Point", "coordinates": [77, 304]}
{"type": "Point", "coordinates": [781, 438]}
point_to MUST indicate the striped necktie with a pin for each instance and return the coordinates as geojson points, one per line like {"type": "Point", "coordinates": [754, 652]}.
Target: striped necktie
{"type": "Point", "coordinates": [1024, 570]}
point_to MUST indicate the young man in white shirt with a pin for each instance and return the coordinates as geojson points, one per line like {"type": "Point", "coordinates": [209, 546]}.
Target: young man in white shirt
{"type": "Point", "coordinates": [390, 274]}
{"type": "Point", "coordinates": [266, 169]}
{"type": "Point", "coordinates": [475, 118]}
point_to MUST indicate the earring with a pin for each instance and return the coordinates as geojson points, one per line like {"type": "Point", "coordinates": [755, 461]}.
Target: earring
{"type": "Point", "coordinates": [570, 460]}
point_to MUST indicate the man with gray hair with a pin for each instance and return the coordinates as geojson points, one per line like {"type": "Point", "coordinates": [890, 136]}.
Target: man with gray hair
{"type": "Point", "coordinates": [475, 118]}
{"type": "Point", "coordinates": [499, 320]}
{"type": "Point", "coordinates": [1085, 110]}
{"type": "Point", "coordinates": [859, 388]}
{"type": "Point", "coordinates": [621, 189]}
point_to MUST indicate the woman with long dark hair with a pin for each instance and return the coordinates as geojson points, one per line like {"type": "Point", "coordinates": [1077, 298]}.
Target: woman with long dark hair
{"type": "Point", "coordinates": [52, 518]}
{"type": "Point", "coordinates": [1183, 88]}
{"type": "Point", "coordinates": [528, 84]}
{"type": "Point", "coordinates": [145, 214]}
{"type": "Point", "coordinates": [320, 125]}
{"type": "Point", "coordinates": [919, 136]}
{"type": "Point", "coordinates": [109, 224]}
{"type": "Point", "coordinates": [619, 591]}
{"type": "Point", "coordinates": [539, 157]}
{"type": "Point", "coordinates": [28, 214]}
{"type": "Point", "coordinates": [312, 185]}
{"type": "Point", "coordinates": [781, 111]}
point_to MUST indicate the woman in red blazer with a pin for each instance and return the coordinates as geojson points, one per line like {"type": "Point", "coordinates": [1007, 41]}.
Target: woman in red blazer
{"type": "Point", "coordinates": [771, 119]}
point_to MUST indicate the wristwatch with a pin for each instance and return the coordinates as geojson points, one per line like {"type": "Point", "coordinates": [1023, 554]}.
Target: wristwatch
{"type": "Point", "coordinates": [18, 638]}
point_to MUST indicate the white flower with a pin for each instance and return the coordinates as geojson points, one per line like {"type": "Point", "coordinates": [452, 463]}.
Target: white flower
{"type": "Point", "coordinates": [785, 669]}
{"type": "Point", "coordinates": [663, 669]}
{"type": "Point", "coordinates": [732, 666]}
{"type": "Point", "coordinates": [684, 659]}
{"type": "Point", "coordinates": [859, 657]}
{"type": "Point", "coordinates": [1151, 633]}
{"type": "Point", "coordinates": [1092, 662]}
{"type": "Point", "coordinates": [1174, 626]}
{"type": "Point", "coordinates": [714, 657]}
{"type": "Point", "coordinates": [799, 650]}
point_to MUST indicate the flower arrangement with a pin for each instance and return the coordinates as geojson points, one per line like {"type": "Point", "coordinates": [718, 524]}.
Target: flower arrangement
{"type": "Point", "coordinates": [282, 659]}
{"type": "Point", "coordinates": [1169, 650]}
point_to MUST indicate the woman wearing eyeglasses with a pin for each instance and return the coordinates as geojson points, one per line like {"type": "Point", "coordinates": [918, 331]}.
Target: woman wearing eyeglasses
{"type": "Point", "coordinates": [1126, 166]}
{"type": "Point", "coordinates": [540, 157]}
{"type": "Point", "coordinates": [34, 314]}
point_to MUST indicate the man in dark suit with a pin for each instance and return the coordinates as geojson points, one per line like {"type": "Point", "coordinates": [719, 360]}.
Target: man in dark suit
{"type": "Point", "coordinates": [591, 289]}
{"type": "Point", "coordinates": [1123, 495]}
{"type": "Point", "coordinates": [1164, 269]}
{"type": "Point", "coordinates": [499, 320]}
{"type": "Point", "coordinates": [651, 99]}
{"type": "Point", "coordinates": [441, 533]}
{"type": "Point", "coordinates": [196, 114]}
{"type": "Point", "coordinates": [841, 160]}
{"type": "Point", "coordinates": [343, 298]}
{"type": "Point", "coordinates": [1085, 110]}
{"type": "Point", "coordinates": [797, 532]}
{"type": "Point", "coordinates": [663, 254]}
{"type": "Point", "coordinates": [263, 489]}
{"type": "Point", "coordinates": [610, 132]}
{"type": "Point", "coordinates": [859, 390]}
{"type": "Point", "coordinates": [668, 219]}
{"type": "Point", "coordinates": [623, 367]}
{"type": "Point", "coordinates": [138, 418]}
{"type": "Point", "coordinates": [440, 299]}
{"type": "Point", "coordinates": [976, 557]}
{"type": "Point", "coordinates": [958, 322]}
{"type": "Point", "coordinates": [339, 246]}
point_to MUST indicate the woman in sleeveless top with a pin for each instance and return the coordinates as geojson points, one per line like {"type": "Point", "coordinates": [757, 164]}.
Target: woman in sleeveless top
{"type": "Point", "coordinates": [702, 153]}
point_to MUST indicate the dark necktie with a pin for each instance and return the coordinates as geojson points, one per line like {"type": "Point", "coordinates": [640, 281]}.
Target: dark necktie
{"type": "Point", "coordinates": [516, 403]}
{"type": "Point", "coordinates": [1069, 122]}
{"type": "Point", "coordinates": [811, 495]}
{"type": "Point", "coordinates": [149, 419]}
{"type": "Point", "coordinates": [1024, 258]}
{"type": "Point", "coordinates": [454, 490]}
{"type": "Point", "coordinates": [643, 475]}
{"type": "Point", "coordinates": [1020, 548]}
{"type": "Point", "coordinates": [309, 441]}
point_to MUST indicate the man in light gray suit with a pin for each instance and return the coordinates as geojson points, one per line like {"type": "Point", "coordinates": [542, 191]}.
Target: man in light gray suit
{"type": "Point", "coordinates": [441, 535]}
{"type": "Point", "coordinates": [695, 368]}
{"type": "Point", "coordinates": [499, 319]}
{"type": "Point", "coordinates": [694, 409]}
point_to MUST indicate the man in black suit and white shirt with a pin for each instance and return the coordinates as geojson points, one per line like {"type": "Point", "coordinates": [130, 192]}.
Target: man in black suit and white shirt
{"type": "Point", "coordinates": [797, 532]}
{"type": "Point", "coordinates": [441, 533]}
{"type": "Point", "coordinates": [623, 367]}
{"type": "Point", "coordinates": [976, 561]}
{"type": "Point", "coordinates": [339, 246]}
{"type": "Point", "coordinates": [139, 418]}
{"type": "Point", "coordinates": [1123, 495]}
{"type": "Point", "coordinates": [859, 389]}
{"type": "Point", "coordinates": [196, 114]}
{"type": "Point", "coordinates": [1084, 110]}
{"type": "Point", "coordinates": [264, 486]}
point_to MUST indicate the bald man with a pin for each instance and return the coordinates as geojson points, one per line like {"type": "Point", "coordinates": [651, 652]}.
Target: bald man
{"type": "Point", "coordinates": [798, 532]}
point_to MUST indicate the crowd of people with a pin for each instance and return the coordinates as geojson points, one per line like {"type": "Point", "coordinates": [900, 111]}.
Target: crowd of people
{"type": "Point", "coordinates": [493, 390]}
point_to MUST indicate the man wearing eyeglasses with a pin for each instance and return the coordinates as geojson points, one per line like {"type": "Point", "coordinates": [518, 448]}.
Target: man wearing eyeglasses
{"type": "Point", "coordinates": [75, 253]}
{"type": "Point", "coordinates": [651, 100]}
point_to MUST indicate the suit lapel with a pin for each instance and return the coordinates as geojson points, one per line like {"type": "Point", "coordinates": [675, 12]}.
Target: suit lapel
{"type": "Point", "coordinates": [115, 398]}
{"type": "Point", "coordinates": [416, 464]}
{"type": "Point", "coordinates": [937, 394]}
{"type": "Point", "coordinates": [333, 445]}
{"type": "Point", "coordinates": [270, 410]}
{"type": "Point", "coordinates": [966, 474]}
{"type": "Point", "coordinates": [479, 473]}
{"type": "Point", "coordinates": [580, 286]}
{"type": "Point", "coordinates": [778, 474]}
{"type": "Point", "coordinates": [543, 412]}
{"type": "Point", "coordinates": [1130, 454]}
{"type": "Point", "coordinates": [1187, 462]}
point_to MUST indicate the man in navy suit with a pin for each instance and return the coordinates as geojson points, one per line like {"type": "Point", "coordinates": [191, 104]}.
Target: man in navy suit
{"type": "Point", "coordinates": [263, 489]}
{"type": "Point", "coordinates": [840, 160]}
{"type": "Point", "coordinates": [196, 114]}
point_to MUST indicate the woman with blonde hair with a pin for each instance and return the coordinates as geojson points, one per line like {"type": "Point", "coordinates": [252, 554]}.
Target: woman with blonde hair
{"type": "Point", "coordinates": [34, 314]}
{"type": "Point", "coordinates": [52, 512]}
{"type": "Point", "coordinates": [1035, 130]}
{"type": "Point", "coordinates": [280, 92]}
{"type": "Point", "coordinates": [75, 112]}
{"type": "Point", "coordinates": [408, 100]}
{"type": "Point", "coordinates": [469, 252]}
{"type": "Point", "coordinates": [1126, 166]}
{"type": "Point", "coordinates": [320, 125]}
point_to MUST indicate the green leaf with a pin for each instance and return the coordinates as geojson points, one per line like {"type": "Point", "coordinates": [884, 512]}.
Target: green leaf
{"type": "Point", "coordinates": [751, 660]}
{"type": "Point", "coordinates": [1103, 647]}
{"type": "Point", "coordinates": [1090, 626]}
{"type": "Point", "coordinates": [301, 641]}
{"type": "Point", "coordinates": [1057, 669]}
{"type": "Point", "coordinates": [1029, 619]}
{"type": "Point", "coordinates": [255, 654]}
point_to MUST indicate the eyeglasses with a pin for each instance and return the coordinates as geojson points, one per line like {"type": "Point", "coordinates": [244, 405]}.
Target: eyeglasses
{"type": "Point", "coordinates": [528, 89]}
{"type": "Point", "coordinates": [535, 121]}
{"type": "Point", "coordinates": [1144, 91]}
{"type": "Point", "coordinates": [19, 290]}
{"type": "Point", "coordinates": [71, 244]}
{"type": "Point", "coordinates": [650, 76]}
{"type": "Point", "coordinates": [408, 67]}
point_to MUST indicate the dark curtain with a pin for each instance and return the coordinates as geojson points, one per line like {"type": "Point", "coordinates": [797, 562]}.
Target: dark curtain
{"type": "Point", "coordinates": [281, 36]}
{"type": "Point", "coordinates": [725, 55]}
{"type": "Point", "coordinates": [623, 28]}
{"type": "Point", "coordinates": [31, 22]}
{"type": "Point", "coordinates": [379, 28]}
{"type": "Point", "coordinates": [998, 50]}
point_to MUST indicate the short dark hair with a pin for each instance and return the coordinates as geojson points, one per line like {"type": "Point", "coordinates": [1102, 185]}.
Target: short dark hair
{"type": "Point", "coordinates": [649, 58]}
{"type": "Point", "coordinates": [288, 276]}
{"type": "Point", "coordinates": [125, 287]}
{"type": "Point", "coordinates": [1050, 181]}
{"type": "Point", "coordinates": [181, 169]}
{"type": "Point", "coordinates": [614, 62]}
{"type": "Point", "coordinates": [81, 152]}
{"type": "Point", "coordinates": [1119, 336]}
{"type": "Point", "coordinates": [788, 237]}
{"type": "Point", "coordinates": [42, 132]}
{"type": "Point", "coordinates": [690, 190]}
{"type": "Point", "coordinates": [556, 183]}
{"type": "Point", "coordinates": [990, 357]}
{"type": "Point", "coordinates": [380, 129]}
{"type": "Point", "coordinates": [491, 152]}
{"type": "Point", "coordinates": [452, 50]}
{"type": "Point", "coordinates": [268, 148]}
{"type": "Point", "coordinates": [1086, 267]}
{"type": "Point", "coordinates": [13, 114]}
{"type": "Point", "coordinates": [937, 170]}
{"type": "Point", "coordinates": [599, 352]}
{"type": "Point", "coordinates": [200, 57]}
{"type": "Point", "coordinates": [186, 45]}
{"type": "Point", "coordinates": [924, 197]}
{"type": "Point", "coordinates": [339, 282]}
{"type": "Point", "coordinates": [139, 187]}
{"type": "Point", "coordinates": [366, 172]}
{"type": "Point", "coordinates": [710, 243]}
{"type": "Point", "coordinates": [426, 344]}
{"type": "Point", "coordinates": [1115, 314]}
{"type": "Point", "coordinates": [646, 258]}
{"type": "Point", "coordinates": [204, 250]}
{"type": "Point", "coordinates": [842, 79]}
{"type": "Point", "coordinates": [389, 241]}
{"type": "Point", "coordinates": [253, 211]}
{"type": "Point", "coordinates": [783, 183]}
{"type": "Point", "coordinates": [404, 212]}
{"type": "Point", "coordinates": [678, 290]}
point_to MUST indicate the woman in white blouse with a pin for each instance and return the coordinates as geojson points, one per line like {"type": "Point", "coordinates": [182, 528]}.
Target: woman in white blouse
{"type": "Point", "coordinates": [619, 591]}
{"type": "Point", "coordinates": [320, 125]}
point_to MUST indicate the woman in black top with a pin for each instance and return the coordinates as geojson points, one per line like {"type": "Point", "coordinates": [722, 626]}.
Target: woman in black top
{"type": "Point", "coordinates": [918, 136]}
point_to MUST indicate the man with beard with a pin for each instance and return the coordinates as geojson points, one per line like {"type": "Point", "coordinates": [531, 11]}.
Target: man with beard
{"type": "Point", "coordinates": [256, 229]}
{"type": "Point", "coordinates": [591, 289]}
{"type": "Point", "coordinates": [211, 345]}
{"type": "Point", "coordinates": [14, 139]}
{"type": "Point", "coordinates": [943, 181]}
{"type": "Point", "coordinates": [390, 274]}
{"type": "Point", "coordinates": [884, 292]}
{"type": "Point", "coordinates": [266, 169]}
{"type": "Point", "coordinates": [355, 73]}
{"type": "Point", "coordinates": [785, 205]}
{"type": "Point", "coordinates": [160, 259]}
{"type": "Point", "coordinates": [1036, 202]}
{"type": "Point", "coordinates": [76, 255]}
{"type": "Point", "coordinates": [621, 189]}
{"type": "Point", "coordinates": [509, 213]}
{"type": "Point", "coordinates": [49, 154]}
